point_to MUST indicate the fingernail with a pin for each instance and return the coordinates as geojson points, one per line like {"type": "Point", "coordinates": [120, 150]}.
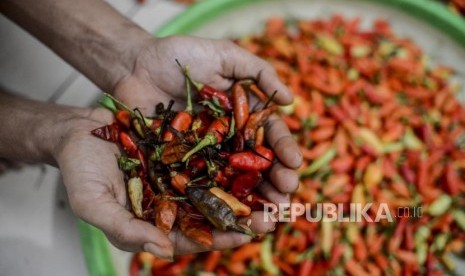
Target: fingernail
{"type": "Point", "coordinates": [163, 253]}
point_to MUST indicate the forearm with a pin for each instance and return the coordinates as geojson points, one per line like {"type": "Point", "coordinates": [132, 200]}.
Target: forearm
{"type": "Point", "coordinates": [89, 34]}
{"type": "Point", "coordinates": [32, 131]}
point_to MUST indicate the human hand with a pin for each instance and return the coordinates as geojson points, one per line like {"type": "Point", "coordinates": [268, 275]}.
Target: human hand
{"type": "Point", "coordinates": [157, 78]}
{"type": "Point", "coordinates": [97, 193]}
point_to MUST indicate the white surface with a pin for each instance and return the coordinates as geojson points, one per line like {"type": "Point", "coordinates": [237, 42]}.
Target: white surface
{"type": "Point", "coordinates": [38, 232]}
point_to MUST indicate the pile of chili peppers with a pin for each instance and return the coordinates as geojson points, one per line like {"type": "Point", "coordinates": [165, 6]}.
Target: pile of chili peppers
{"type": "Point", "coordinates": [198, 168]}
{"type": "Point", "coordinates": [376, 123]}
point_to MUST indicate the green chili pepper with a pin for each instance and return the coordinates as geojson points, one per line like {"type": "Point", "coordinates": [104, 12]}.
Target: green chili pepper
{"type": "Point", "coordinates": [330, 45]}
{"type": "Point", "coordinates": [127, 164]}
{"type": "Point", "coordinates": [232, 127]}
{"type": "Point", "coordinates": [266, 256]}
{"type": "Point", "coordinates": [440, 205]}
{"type": "Point", "coordinates": [326, 237]}
{"type": "Point", "coordinates": [411, 141]}
{"type": "Point", "coordinates": [321, 162]}
{"type": "Point", "coordinates": [108, 103]}
{"type": "Point", "coordinates": [459, 217]}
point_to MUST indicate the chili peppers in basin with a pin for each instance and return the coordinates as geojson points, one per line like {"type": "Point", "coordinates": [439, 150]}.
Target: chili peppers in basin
{"type": "Point", "coordinates": [377, 122]}
{"type": "Point", "coordinates": [183, 169]}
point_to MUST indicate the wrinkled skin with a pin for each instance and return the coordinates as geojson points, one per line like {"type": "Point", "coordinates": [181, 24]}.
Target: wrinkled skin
{"type": "Point", "coordinates": [94, 183]}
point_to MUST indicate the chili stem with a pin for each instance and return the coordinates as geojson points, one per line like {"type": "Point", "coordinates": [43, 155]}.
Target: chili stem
{"type": "Point", "coordinates": [209, 140]}
{"type": "Point", "coordinates": [197, 85]}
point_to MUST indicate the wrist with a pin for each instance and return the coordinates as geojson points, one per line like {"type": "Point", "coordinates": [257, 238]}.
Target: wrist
{"type": "Point", "coordinates": [51, 132]}
{"type": "Point", "coordinates": [124, 47]}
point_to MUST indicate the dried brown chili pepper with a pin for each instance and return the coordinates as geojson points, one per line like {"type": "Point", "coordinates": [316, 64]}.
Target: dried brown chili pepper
{"type": "Point", "coordinates": [173, 152]}
{"type": "Point", "coordinates": [165, 212]}
{"type": "Point", "coordinates": [108, 132]}
{"type": "Point", "coordinates": [216, 210]}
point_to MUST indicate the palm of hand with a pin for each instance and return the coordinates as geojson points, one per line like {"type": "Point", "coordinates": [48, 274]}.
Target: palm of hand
{"type": "Point", "coordinates": [94, 183]}
{"type": "Point", "coordinates": [97, 194]}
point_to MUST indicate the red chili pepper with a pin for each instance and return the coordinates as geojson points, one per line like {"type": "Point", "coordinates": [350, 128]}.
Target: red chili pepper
{"type": "Point", "coordinates": [108, 132]}
{"type": "Point", "coordinates": [255, 121]}
{"type": "Point", "coordinates": [255, 202]}
{"type": "Point", "coordinates": [196, 165]}
{"type": "Point", "coordinates": [156, 124]}
{"type": "Point", "coordinates": [249, 160]}
{"type": "Point", "coordinates": [452, 180]}
{"type": "Point", "coordinates": [181, 122]}
{"type": "Point", "coordinates": [244, 184]}
{"type": "Point", "coordinates": [238, 142]}
{"type": "Point", "coordinates": [124, 117]}
{"type": "Point", "coordinates": [305, 267]}
{"type": "Point", "coordinates": [241, 105]}
{"type": "Point", "coordinates": [221, 179]}
{"type": "Point", "coordinates": [207, 92]}
{"type": "Point", "coordinates": [128, 144]}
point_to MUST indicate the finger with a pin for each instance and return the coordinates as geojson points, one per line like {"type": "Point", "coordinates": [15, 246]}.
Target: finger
{"type": "Point", "coordinates": [258, 224]}
{"type": "Point", "coordinates": [280, 139]}
{"type": "Point", "coordinates": [284, 179]}
{"type": "Point", "coordinates": [240, 64]}
{"type": "Point", "coordinates": [272, 194]}
{"type": "Point", "coordinates": [123, 229]}
{"type": "Point", "coordinates": [221, 241]}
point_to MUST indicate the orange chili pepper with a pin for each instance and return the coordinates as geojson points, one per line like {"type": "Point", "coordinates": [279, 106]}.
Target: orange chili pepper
{"type": "Point", "coordinates": [165, 214]}
{"type": "Point", "coordinates": [256, 120]}
{"type": "Point", "coordinates": [241, 105]}
{"type": "Point", "coordinates": [212, 261]}
{"type": "Point", "coordinates": [124, 117]}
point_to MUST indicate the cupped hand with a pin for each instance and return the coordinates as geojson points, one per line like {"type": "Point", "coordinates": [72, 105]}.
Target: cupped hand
{"type": "Point", "coordinates": [157, 78]}
{"type": "Point", "coordinates": [100, 197]}
{"type": "Point", "coordinates": [97, 194]}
